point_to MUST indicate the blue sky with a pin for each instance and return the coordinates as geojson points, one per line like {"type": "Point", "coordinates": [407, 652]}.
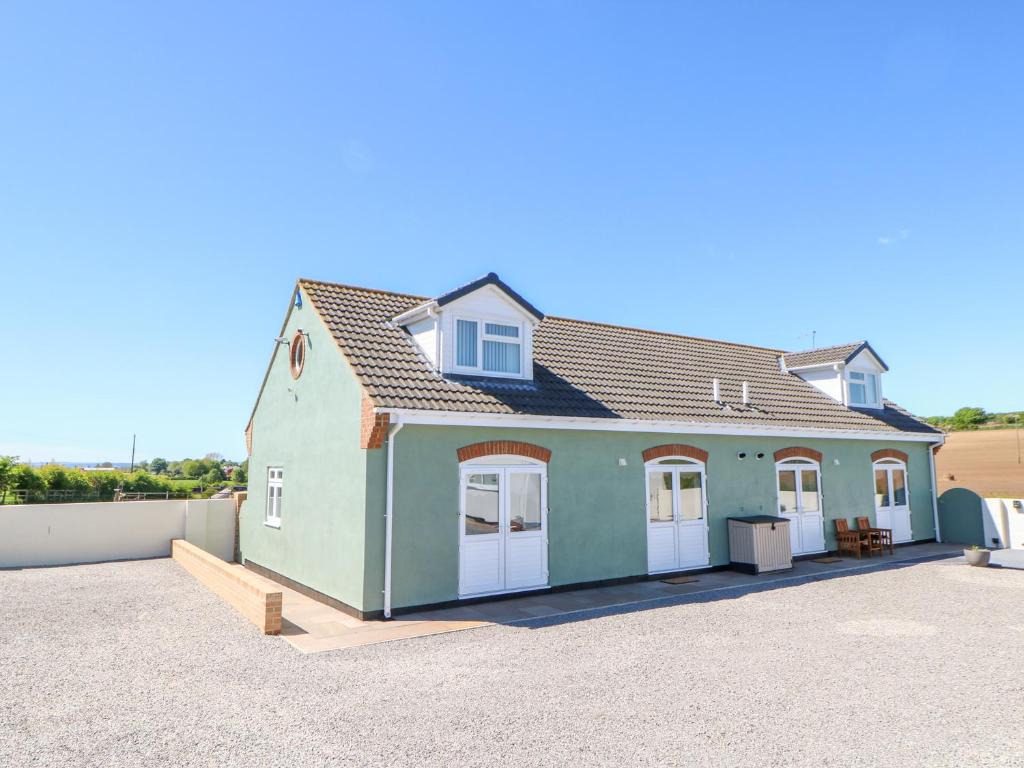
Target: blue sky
{"type": "Point", "coordinates": [748, 171]}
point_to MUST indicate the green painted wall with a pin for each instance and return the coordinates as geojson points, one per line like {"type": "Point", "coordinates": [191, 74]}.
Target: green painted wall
{"type": "Point", "coordinates": [597, 524]}
{"type": "Point", "coordinates": [960, 517]}
{"type": "Point", "coordinates": [310, 427]}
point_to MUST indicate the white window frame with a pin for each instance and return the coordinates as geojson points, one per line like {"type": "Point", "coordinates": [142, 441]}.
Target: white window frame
{"type": "Point", "coordinates": [272, 513]}
{"type": "Point", "coordinates": [481, 336]}
{"type": "Point", "coordinates": [688, 465]}
{"type": "Point", "coordinates": [889, 464]}
{"type": "Point", "coordinates": [849, 383]}
{"type": "Point", "coordinates": [801, 463]}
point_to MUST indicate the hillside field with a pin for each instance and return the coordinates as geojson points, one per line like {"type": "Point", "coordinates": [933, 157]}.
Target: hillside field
{"type": "Point", "coordinates": [984, 460]}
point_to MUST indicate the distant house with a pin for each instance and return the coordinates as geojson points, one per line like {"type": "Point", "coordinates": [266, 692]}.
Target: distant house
{"type": "Point", "coordinates": [409, 451]}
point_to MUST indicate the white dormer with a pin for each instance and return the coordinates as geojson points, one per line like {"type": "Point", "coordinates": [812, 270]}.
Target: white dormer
{"type": "Point", "coordinates": [482, 329]}
{"type": "Point", "coordinates": [863, 380]}
{"type": "Point", "coordinates": [850, 373]}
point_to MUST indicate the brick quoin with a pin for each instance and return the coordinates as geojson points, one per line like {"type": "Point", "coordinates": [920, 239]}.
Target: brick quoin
{"type": "Point", "coordinates": [889, 453]}
{"type": "Point", "coordinates": [675, 449]}
{"type": "Point", "coordinates": [797, 452]}
{"type": "Point", "coordinates": [373, 427]}
{"type": "Point", "coordinates": [504, 447]}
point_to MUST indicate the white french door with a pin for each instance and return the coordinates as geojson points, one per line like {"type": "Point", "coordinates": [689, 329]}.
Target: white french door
{"type": "Point", "coordinates": [892, 501]}
{"type": "Point", "coordinates": [677, 531]}
{"type": "Point", "coordinates": [799, 487]}
{"type": "Point", "coordinates": [503, 538]}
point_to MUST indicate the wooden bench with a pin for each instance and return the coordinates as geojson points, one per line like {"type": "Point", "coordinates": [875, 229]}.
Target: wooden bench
{"type": "Point", "coordinates": [245, 591]}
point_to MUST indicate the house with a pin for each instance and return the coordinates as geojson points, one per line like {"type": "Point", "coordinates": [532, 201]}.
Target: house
{"type": "Point", "coordinates": [408, 452]}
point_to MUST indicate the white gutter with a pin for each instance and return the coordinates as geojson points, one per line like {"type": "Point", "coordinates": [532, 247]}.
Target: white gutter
{"type": "Point", "coordinates": [389, 512]}
{"type": "Point", "coordinates": [473, 419]}
{"type": "Point", "coordinates": [935, 490]}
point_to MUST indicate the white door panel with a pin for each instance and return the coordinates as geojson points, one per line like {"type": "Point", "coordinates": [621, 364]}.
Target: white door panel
{"type": "Point", "coordinates": [693, 541]}
{"type": "Point", "coordinates": [661, 547]}
{"type": "Point", "coordinates": [481, 566]}
{"type": "Point", "coordinates": [812, 531]}
{"type": "Point", "coordinates": [526, 562]}
{"type": "Point", "coordinates": [794, 533]}
{"type": "Point", "coordinates": [901, 525]}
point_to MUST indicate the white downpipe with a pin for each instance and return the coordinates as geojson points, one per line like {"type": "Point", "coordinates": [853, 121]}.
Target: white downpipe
{"type": "Point", "coordinates": [935, 490]}
{"type": "Point", "coordinates": [389, 513]}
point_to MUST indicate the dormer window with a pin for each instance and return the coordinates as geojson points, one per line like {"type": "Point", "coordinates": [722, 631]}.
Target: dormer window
{"type": "Point", "coordinates": [863, 388]}
{"type": "Point", "coordinates": [483, 328]}
{"type": "Point", "coordinates": [488, 347]}
{"type": "Point", "coordinates": [848, 373]}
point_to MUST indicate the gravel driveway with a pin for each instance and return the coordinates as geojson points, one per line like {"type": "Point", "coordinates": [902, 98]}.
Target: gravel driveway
{"type": "Point", "coordinates": [136, 664]}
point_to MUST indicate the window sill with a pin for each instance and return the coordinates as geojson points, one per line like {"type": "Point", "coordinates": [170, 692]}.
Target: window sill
{"type": "Point", "coordinates": [270, 524]}
{"type": "Point", "coordinates": [462, 371]}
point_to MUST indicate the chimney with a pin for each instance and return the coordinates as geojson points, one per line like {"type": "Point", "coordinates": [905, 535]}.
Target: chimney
{"type": "Point", "coordinates": [716, 390]}
{"type": "Point", "coordinates": [746, 393]}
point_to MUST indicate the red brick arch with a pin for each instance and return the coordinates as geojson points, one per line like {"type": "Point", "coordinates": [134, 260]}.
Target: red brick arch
{"type": "Point", "coordinates": [798, 452]}
{"type": "Point", "coordinates": [889, 453]}
{"type": "Point", "coordinates": [504, 447]}
{"type": "Point", "coordinates": [675, 449]}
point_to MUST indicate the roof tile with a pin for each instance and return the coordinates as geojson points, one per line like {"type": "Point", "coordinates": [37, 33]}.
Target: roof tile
{"type": "Point", "coordinates": [592, 370]}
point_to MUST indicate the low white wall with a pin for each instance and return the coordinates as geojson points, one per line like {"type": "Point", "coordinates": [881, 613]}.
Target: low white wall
{"type": "Point", "coordinates": [62, 534]}
{"type": "Point", "coordinates": [1005, 522]}
{"type": "Point", "coordinates": [210, 525]}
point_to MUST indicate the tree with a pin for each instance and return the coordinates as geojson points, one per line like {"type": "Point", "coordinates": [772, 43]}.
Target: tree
{"type": "Point", "coordinates": [215, 457]}
{"type": "Point", "coordinates": [7, 475]}
{"type": "Point", "coordinates": [191, 468]}
{"type": "Point", "coordinates": [969, 418]}
{"type": "Point", "coordinates": [158, 466]}
{"type": "Point", "coordinates": [26, 478]}
{"type": "Point", "coordinates": [213, 476]}
{"type": "Point", "coordinates": [240, 475]}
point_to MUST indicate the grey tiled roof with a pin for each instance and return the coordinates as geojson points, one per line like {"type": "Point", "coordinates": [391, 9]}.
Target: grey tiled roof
{"type": "Point", "coordinates": [586, 369]}
{"type": "Point", "coordinates": [840, 353]}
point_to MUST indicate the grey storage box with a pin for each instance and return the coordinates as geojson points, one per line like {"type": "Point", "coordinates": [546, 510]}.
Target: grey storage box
{"type": "Point", "coordinates": [759, 544]}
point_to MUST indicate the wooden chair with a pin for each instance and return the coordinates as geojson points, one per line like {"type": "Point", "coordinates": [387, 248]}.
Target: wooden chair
{"type": "Point", "coordinates": [882, 537]}
{"type": "Point", "coordinates": [847, 540]}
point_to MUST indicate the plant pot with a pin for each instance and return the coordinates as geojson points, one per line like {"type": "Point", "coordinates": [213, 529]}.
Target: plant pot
{"type": "Point", "coordinates": [978, 557]}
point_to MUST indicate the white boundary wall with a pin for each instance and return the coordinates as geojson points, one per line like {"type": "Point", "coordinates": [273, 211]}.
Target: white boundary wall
{"type": "Point", "coordinates": [1005, 522]}
{"type": "Point", "coordinates": [62, 534]}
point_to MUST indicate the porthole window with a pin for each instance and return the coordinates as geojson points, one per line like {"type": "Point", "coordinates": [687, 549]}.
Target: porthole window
{"type": "Point", "coordinates": [298, 354]}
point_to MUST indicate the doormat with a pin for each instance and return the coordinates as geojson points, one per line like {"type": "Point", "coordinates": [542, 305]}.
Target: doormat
{"type": "Point", "coordinates": [827, 560]}
{"type": "Point", "coordinates": [680, 580]}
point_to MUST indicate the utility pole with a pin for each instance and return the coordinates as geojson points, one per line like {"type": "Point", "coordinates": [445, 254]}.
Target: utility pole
{"type": "Point", "coordinates": [133, 455]}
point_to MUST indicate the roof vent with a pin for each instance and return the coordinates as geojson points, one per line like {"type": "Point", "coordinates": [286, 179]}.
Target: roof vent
{"type": "Point", "coordinates": [746, 393]}
{"type": "Point", "coordinates": [716, 391]}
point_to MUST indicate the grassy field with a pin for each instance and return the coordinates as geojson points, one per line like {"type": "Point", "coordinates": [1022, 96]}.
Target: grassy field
{"type": "Point", "coordinates": [986, 461]}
